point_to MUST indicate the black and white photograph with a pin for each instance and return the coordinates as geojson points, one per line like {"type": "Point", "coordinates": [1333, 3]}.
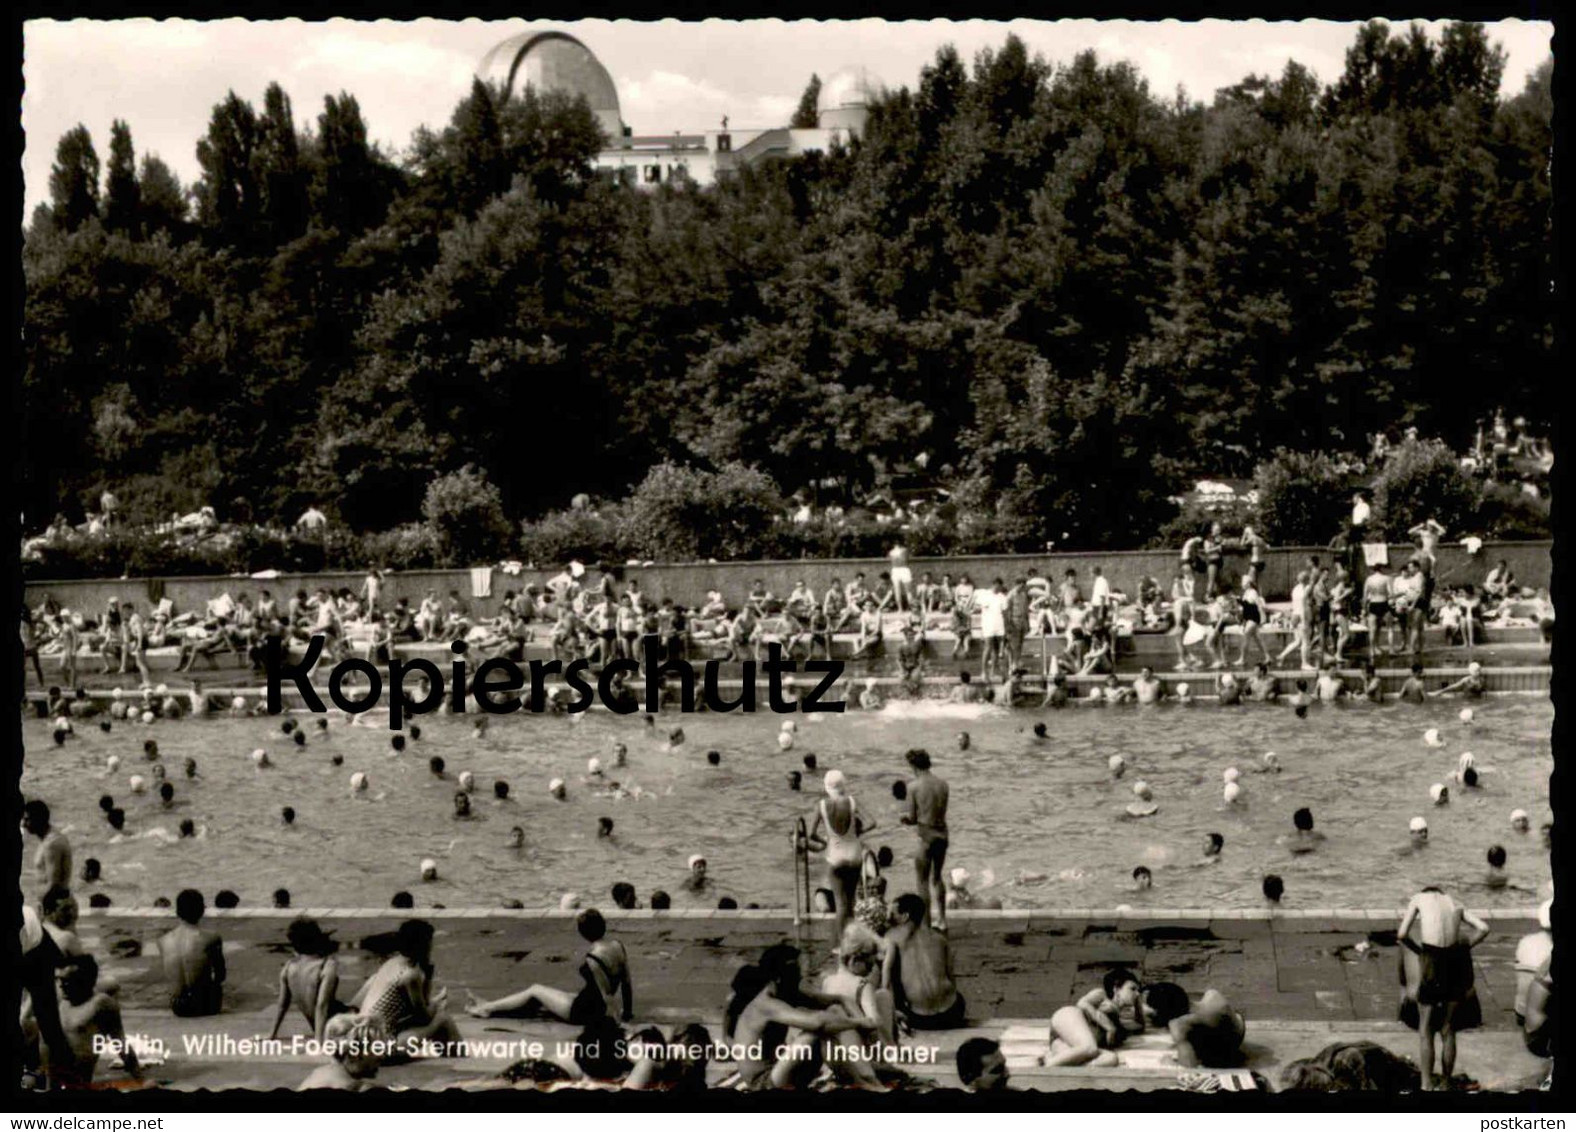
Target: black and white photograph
{"type": "Point", "coordinates": [828, 561]}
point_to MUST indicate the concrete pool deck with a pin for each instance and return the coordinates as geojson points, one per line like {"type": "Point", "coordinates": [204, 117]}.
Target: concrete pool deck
{"type": "Point", "coordinates": [1299, 977]}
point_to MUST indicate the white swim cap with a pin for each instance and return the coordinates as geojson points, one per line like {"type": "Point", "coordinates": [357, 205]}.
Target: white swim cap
{"type": "Point", "coordinates": [1474, 668]}
{"type": "Point", "coordinates": [1439, 794]}
{"type": "Point", "coordinates": [696, 859]}
{"type": "Point", "coordinates": [238, 703]}
{"type": "Point", "coordinates": [1545, 915]}
{"type": "Point", "coordinates": [1227, 678]}
{"type": "Point", "coordinates": [114, 693]}
{"type": "Point", "coordinates": [568, 902]}
{"type": "Point", "coordinates": [112, 763]}
{"type": "Point", "coordinates": [1271, 758]}
{"type": "Point", "coordinates": [1432, 739]}
{"type": "Point", "coordinates": [162, 690]}
{"type": "Point", "coordinates": [1466, 715]}
{"type": "Point", "coordinates": [1182, 688]}
{"type": "Point", "coordinates": [1116, 762]}
{"type": "Point", "coordinates": [1232, 792]}
{"type": "Point", "coordinates": [835, 784]}
{"type": "Point", "coordinates": [429, 868]}
{"type": "Point", "coordinates": [358, 781]}
{"type": "Point", "coordinates": [467, 780]}
{"type": "Point", "coordinates": [138, 784]}
{"type": "Point", "coordinates": [1417, 825]}
{"type": "Point", "coordinates": [960, 877]}
{"type": "Point", "coordinates": [785, 739]}
{"type": "Point", "coordinates": [147, 717]}
{"type": "Point", "coordinates": [555, 785]}
{"type": "Point", "coordinates": [1464, 761]}
{"type": "Point", "coordinates": [789, 725]}
{"type": "Point", "coordinates": [1518, 816]}
{"type": "Point", "coordinates": [1141, 788]}
{"type": "Point", "coordinates": [1231, 774]}
{"type": "Point", "coordinates": [593, 766]}
{"type": "Point", "coordinates": [172, 706]}
{"type": "Point", "coordinates": [260, 757]}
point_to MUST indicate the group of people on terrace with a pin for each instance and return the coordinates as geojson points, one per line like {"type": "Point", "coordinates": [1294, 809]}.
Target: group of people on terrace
{"type": "Point", "coordinates": [1344, 610]}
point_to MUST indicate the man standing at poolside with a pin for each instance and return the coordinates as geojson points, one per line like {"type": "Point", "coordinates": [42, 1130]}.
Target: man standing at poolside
{"type": "Point", "coordinates": [992, 604]}
{"type": "Point", "coordinates": [902, 578]}
{"type": "Point", "coordinates": [52, 862]}
{"type": "Point", "coordinates": [1442, 934]}
{"type": "Point", "coordinates": [927, 813]}
{"type": "Point", "coordinates": [1016, 620]}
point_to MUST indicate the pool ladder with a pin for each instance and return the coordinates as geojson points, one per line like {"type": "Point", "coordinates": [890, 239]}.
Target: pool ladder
{"type": "Point", "coordinates": [802, 906]}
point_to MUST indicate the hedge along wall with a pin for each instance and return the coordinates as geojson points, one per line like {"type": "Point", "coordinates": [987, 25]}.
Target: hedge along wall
{"type": "Point", "coordinates": [687, 583]}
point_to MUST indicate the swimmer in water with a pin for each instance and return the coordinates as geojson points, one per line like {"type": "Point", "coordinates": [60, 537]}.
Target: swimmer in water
{"type": "Point", "coordinates": [1412, 691]}
{"type": "Point", "coordinates": [795, 780]}
{"type": "Point", "coordinates": [190, 767]}
{"type": "Point", "coordinates": [1496, 877]}
{"type": "Point", "coordinates": [1262, 687]}
{"type": "Point", "coordinates": [1144, 804]}
{"type": "Point", "coordinates": [1213, 844]}
{"type": "Point", "coordinates": [963, 740]}
{"type": "Point", "coordinates": [604, 827]}
{"type": "Point", "coordinates": [1143, 879]}
{"type": "Point", "coordinates": [1329, 687]}
{"type": "Point", "coordinates": [1273, 888]}
{"type": "Point", "coordinates": [1519, 821]}
{"type": "Point", "coordinates": [1304, 838]}
{"type": "Point", "coordinates": [1056, 694]}
{"type": "Point", "coordinates": [1184, 695]}
{"type": "Point", "coordinates": [1228, 690]}
{"type": "Point", "coordinates": [556, 789]}
{"type": "Point", "coordinates": [516, 837]}
{"type": "Point", "coordinates": [870, 697]}
{"type": "Point", "coordinates": [1373, 687]}
{"type": "Point", "coordinates": [1117, 766]}
{"type": "Point", "coordinates": [1472, 685]}
{"type": "Point", "coordinates": [462, 806]}
{"type": "Point", "coordinates": [1148, 689]}
{"type": "Point", "coordinates": [620, 754]}
{"type": "Point", "coordinates": [1112, 691]}
{"type": "Point", "coordinates": [1417, 837]}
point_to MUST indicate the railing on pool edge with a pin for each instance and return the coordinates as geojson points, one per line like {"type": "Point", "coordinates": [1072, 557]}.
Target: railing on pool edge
{"type": "Point", "coordinates": [801, 882]}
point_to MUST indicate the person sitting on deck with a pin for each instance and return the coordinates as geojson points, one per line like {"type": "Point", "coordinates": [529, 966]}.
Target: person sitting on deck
{"type": "Point", "coordinates": [310, 978]}
{"type": "Point", "coordinates": [193, 960]}
{"type": "Point", "coordinates": [353, 1040]}
{"type": "Point", "coordinates": [89, 1017]}
{"type": "Point", "coordinates": [767, 1005]}
{"type": "Point", "coordinates": [604, 972]}
{"type": "Point", "coordinates": [399, 993]}
{"type": "Point", "coordinates": [1210, 1035]}
{"type": "Point", "coordinates": [916, 967]}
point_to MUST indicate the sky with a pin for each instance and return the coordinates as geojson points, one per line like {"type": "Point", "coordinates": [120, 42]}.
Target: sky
{"type": "Point", "coordinates": [165, 76]}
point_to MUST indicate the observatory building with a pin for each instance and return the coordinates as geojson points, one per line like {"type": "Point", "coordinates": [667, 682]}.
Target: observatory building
{"type": "Point", "coordinates": [557, 61]}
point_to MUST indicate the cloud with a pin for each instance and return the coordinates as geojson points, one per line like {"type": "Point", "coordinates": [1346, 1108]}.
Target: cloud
{"type": "Point", "coordinates": [354, 57]}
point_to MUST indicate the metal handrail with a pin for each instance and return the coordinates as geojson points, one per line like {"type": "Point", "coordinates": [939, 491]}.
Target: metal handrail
{"type": "Point", "coordinates": [801, 881]}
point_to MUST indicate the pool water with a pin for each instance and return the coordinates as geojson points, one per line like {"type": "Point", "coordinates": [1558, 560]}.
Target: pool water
{"type": "Point", "coordinates": [1043, 820]}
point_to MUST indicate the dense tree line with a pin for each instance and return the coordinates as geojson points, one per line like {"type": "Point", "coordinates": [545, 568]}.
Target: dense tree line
{"type": "Point", "coordinates": [1056, 294]}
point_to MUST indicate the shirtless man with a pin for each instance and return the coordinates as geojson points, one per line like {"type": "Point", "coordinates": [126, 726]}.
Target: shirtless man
{"type": "Point", "coordinates": [927, 813]}
{"type": "Point", "coordinates": [89, 1017]}
{"type": "Point", "coordinates": [771, 1008]}
{"type": "Point", "coordinates": [1147, 688]}
{"type": "Point", "coordinates": [917, 968]}
{"type": "Point", "coordinates": [1413, 692]}
{"type": "Point", "coordinates": [52, 862]}
{"type": "Point", "coordinates": [1442, 934]}
{"type": "Point", "coordinates": [193, 960]}
{"type": "Point", "coordinates": [1262, 687]}
{"type": "Point", "coordinates": [1376, 609]}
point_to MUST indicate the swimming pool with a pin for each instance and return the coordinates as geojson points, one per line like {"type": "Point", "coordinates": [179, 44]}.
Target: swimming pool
{"type": "Point", "coordinates": [1044, 818]}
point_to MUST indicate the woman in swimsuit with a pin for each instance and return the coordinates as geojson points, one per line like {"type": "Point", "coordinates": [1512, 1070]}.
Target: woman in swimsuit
{"type": "Point", "coordinates": [310, 979]}
{"type": "Point", "coordinates": [1252, 606]}
{"type": "Point", "coordinates": [1087, 1032]}
{"type": "Point", "coordinates": [605, 973]}
{"type": "Point", "coordinates": [837, 829]}
{"type": "Point", "coordinates": [399, 993]}
{"type": "Point", "coordinates": [1214, 559]}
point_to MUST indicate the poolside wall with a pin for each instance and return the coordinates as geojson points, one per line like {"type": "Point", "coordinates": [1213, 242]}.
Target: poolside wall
{"type": "Point", "coordinates": [687, 583]}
